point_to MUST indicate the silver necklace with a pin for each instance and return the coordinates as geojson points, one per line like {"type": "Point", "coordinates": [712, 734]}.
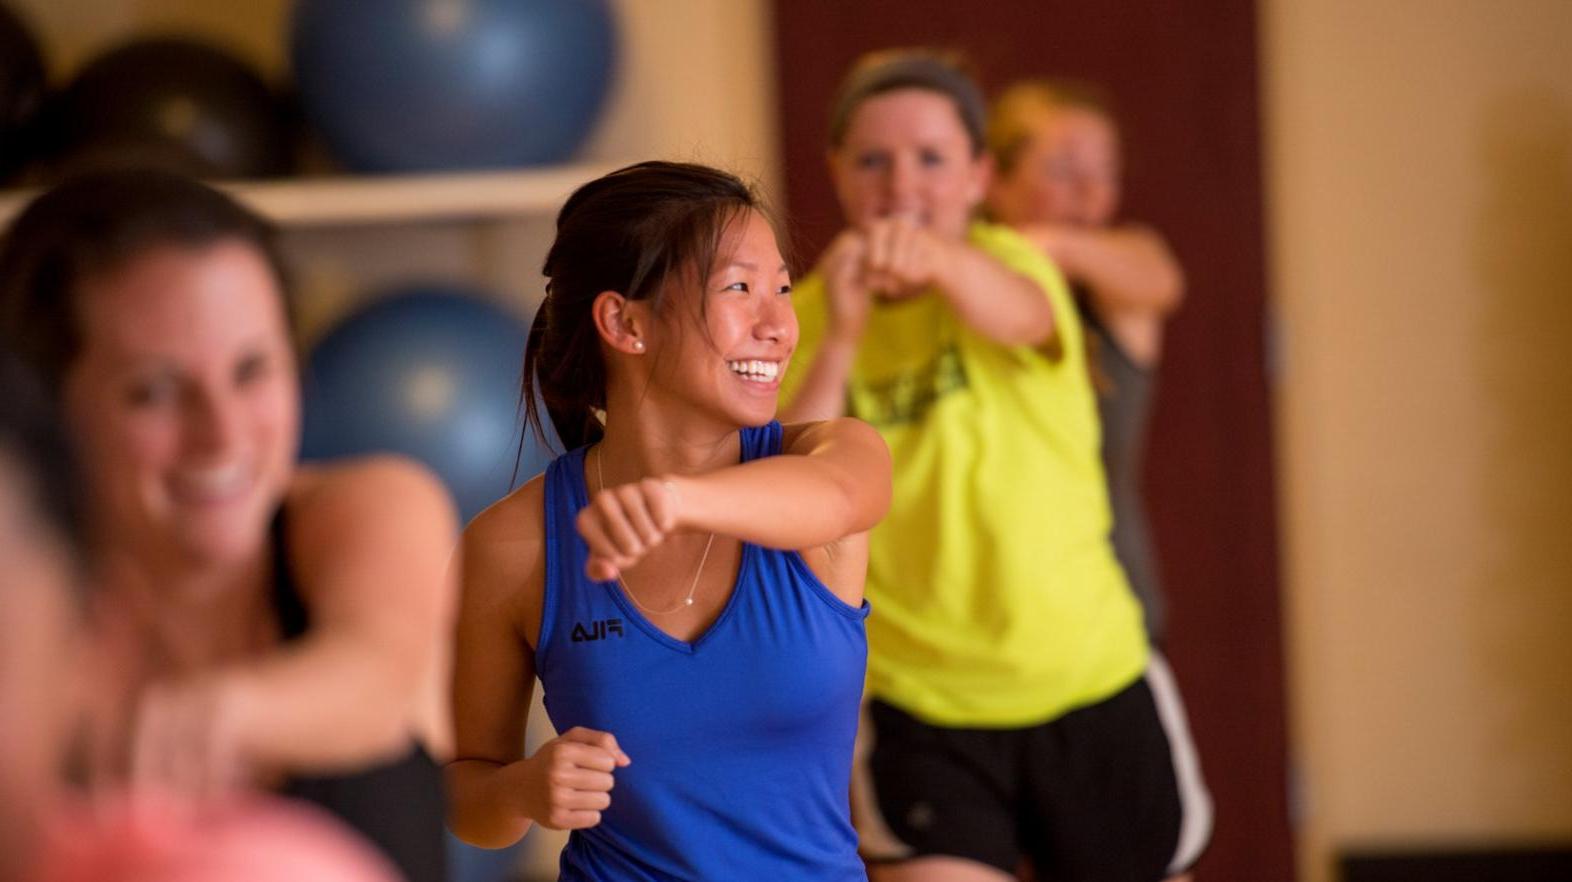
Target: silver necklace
{"type": "Point", "coordinates": [687, 601]}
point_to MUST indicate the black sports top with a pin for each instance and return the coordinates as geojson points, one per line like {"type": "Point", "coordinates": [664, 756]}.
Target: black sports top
{"type": "Point", "coordinates": [397, 805]}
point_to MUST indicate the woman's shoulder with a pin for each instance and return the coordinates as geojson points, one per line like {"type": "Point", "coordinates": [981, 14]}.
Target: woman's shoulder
{"type": "Point", "coordinates": [365, 514]}
{"type": "Point", "coordinates": [508, 538]}
{"type": "Point", "coordinates": [803, 437]}
{"type": "Point", "coordinates": [504, 559]}
{"type": "Point", "coordinates": [382, 478]}
{"type": "Point", "coordinates": [517, 516]}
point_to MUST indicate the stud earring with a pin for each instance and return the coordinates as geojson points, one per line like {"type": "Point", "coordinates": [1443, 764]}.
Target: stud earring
{"type": "Point", "coordinates": [638, 345]}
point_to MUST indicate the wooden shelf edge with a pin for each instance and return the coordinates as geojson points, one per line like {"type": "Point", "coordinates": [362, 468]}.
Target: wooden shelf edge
{"type": "Point", "coordinates": [348, 201]}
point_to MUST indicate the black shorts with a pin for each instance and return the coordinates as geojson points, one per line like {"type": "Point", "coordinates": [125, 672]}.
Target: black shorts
{"type": "Point", "coordinates": [1109, 792]}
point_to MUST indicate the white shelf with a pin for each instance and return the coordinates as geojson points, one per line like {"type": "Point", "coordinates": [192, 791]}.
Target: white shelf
{"type": "Point", "coordinates": [342, 201]}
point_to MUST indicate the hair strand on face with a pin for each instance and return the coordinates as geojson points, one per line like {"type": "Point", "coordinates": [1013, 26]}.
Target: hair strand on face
{"type": "Point", "coordinates": [641, 231]}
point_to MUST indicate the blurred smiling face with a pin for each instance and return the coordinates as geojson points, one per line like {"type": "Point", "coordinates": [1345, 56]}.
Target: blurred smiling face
{"type": "Point", "coordinates": [907, 153]}
{"type": "Point", "coordinates": [1067, 172]}
{"type": "Point", "coordinates": [184, 397]}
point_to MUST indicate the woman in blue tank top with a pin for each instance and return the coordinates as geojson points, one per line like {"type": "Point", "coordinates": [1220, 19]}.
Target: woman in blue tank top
{"type": "Point", "coordinates": [687, 581]}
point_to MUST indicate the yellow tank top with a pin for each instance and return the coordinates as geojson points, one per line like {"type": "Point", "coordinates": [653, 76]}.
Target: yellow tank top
{"type": "Point", "coordinates": [997, 600]}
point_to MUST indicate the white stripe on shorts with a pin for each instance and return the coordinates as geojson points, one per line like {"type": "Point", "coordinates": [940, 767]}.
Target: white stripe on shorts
{"type": "Point", "coordinates": [1195, 802]}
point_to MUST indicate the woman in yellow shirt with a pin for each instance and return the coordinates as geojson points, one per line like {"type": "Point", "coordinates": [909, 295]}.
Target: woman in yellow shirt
{"type": "Point", "coordinates": [1009, 719]}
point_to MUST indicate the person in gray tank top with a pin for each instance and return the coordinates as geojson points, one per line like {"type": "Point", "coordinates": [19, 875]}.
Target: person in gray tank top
{"type": "Point", "coordinates": [1057, 159]}
{"type": "Point", "coordinates": [1056, 179]}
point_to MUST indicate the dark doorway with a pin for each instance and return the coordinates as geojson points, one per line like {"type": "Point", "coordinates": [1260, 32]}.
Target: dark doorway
{"type": "Point", "coordinates": [1184, 75]}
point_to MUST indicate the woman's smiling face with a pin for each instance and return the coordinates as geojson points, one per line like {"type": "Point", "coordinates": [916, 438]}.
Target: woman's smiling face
{"type": "Point", "coordinates": [729, 357]}
{"type": "Point", "coordinates": [185, 399]}
{"type": "Point", "coordinates": [907, 153]}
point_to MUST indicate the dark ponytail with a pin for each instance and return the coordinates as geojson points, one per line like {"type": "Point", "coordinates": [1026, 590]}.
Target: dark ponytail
{"type": "Point", "coordinates": [631, 232]}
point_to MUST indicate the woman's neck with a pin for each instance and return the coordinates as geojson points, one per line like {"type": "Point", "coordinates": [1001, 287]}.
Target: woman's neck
{"type": "Point", "coordinates": [194, 613]}
{"type": "Point", "coordinates": [640, 444]}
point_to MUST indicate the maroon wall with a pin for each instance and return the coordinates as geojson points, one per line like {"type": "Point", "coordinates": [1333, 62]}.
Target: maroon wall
{"type": "Point", "coordinates": [1183, 73]}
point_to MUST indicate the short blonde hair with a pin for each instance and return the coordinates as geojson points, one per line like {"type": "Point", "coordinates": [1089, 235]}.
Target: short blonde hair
{"type": "Point", "coordinates": [1013, 112]}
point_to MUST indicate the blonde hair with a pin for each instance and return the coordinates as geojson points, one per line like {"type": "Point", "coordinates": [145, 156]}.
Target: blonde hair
{"type": "Point", "coordinates": [1013, 113]}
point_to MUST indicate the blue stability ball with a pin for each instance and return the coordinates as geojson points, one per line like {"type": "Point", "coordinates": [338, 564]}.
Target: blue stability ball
{"type": "Point", "coordinates": [432, 373]}
{"type": "Point", "coordinates": [175, 103]}
{"type": "Point", "coordinates": [417, 85]}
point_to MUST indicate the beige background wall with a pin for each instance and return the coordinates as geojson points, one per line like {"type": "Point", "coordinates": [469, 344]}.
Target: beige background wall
{"type": "Point", "coordinates": [1419, 175]}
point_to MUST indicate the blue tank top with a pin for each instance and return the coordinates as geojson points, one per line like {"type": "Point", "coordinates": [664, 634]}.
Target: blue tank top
{"type": "Point", "coordinates": [741, 740]}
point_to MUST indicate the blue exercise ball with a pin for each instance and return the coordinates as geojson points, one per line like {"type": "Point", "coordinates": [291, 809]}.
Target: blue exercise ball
{"type": "Point", "coordinates": [419, 85]}
{"type": "Point", "coordinates": [431, 372]}
{"type": "Point", "coordinates": [175, 103]}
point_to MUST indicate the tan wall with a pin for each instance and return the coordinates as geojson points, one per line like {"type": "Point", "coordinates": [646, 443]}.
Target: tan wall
{"type": "Point", "coordinates": [1420, 192]}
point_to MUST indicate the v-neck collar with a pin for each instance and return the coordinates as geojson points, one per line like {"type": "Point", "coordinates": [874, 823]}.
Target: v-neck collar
{"type": "Point", "coordinates": [618, 595]}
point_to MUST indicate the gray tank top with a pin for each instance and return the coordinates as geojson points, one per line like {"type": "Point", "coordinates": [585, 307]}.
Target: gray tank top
{"type": "Point", "coordinates": [1125, 407]}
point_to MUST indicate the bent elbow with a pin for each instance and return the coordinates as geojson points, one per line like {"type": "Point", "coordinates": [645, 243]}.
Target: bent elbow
{"type": "Point", "coordinates": [488, 836]}
{"type": "Point", "coordinates": [480, 833]}
{"type": "Point", "coordinates": [1039, 330]}
{"type": "Point", "coordinates": [473, 814]}
{"type": "Point", "coordinates": [862, 508]}
{"type": "Point", "coordinates": [865, 491]}
{"type": "Point", "coordinates": [378, 727]}
{"type": "Point", "coordinates": [1172, 291]}
{"type": "Point", "coordinates": [384, 734]}
{"type": "Point", "coordinates": [1167, 283]}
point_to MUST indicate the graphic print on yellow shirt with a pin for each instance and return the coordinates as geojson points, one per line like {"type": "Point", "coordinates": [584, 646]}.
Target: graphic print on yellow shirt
{"type": "Point", "coordinates": [997, 601]}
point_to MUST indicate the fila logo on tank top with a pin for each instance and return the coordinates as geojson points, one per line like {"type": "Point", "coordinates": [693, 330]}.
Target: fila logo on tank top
{"type": "Point", "coordinates": [740, 739]}
{"type": "Point", "coordinates": [597, 630]}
